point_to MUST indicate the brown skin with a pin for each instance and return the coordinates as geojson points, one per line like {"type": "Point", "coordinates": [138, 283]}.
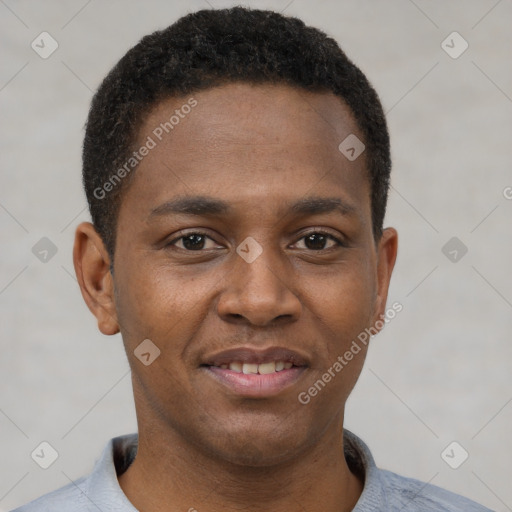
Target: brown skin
{"type": "Point", "coordinates": [259, 149]}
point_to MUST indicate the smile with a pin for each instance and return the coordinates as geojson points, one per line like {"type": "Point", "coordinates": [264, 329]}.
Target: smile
{"type": "Point", "coordinates": [255, 384]}
{"type": "Point", "coordinates": [247, 372]}
{"type": "Point", "coordinates": [262, 369]}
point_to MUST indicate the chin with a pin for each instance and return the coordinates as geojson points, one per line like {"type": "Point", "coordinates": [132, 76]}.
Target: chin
{"type": "Point", "coordinates": [257, 455]}
{"type": "Point", "coordinates": [258, 448]}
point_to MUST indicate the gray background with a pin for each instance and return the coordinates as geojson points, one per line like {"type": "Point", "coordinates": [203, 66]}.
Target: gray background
{"type": "Point", "coordinates": [441, 370]}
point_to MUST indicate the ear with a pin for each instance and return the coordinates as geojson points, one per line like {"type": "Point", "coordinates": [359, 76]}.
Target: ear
{"type": "Point", "coordinates": [92, 268]}
{"type": "Point", "coordinates": [386, 256]}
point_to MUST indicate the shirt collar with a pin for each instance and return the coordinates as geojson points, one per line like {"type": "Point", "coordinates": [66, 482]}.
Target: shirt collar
{"type": "Point", "coordinates": [360, 460]}
{"type": "Point", "coordinates": [102, 486]}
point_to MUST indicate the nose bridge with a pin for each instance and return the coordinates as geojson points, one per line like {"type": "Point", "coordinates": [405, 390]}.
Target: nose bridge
{"type": "Point", "coordinates": [257, 286]}
{"type": "Point", "coordinates": [264, 275]}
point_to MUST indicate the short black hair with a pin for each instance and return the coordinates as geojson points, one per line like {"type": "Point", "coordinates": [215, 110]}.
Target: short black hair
{"type": "Point", "coordinates": [206, 49]}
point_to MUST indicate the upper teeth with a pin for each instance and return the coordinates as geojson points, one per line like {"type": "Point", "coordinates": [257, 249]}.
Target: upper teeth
{"type": "Point", "coordinates": [262, 369]}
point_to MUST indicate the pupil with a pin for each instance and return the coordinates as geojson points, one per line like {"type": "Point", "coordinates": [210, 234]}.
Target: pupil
{"type": "Point", "coordinates": [315, 241]}
{"type": "Point", "coordinates": [193, 242]}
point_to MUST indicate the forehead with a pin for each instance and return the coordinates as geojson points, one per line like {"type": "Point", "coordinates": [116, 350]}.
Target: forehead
{"type": "Point", "coordinates": [253, 113]}
{"type": "Point", "coordinates": [243, 141]}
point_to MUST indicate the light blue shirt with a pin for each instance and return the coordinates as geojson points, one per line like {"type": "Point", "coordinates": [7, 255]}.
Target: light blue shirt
{"type": "Point", "coordinates": [383, 491]}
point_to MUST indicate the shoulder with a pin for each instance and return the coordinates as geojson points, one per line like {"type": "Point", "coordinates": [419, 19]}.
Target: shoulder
{"type": "Point", "coordinates": [417, 496]}
{"type": "Point", "coordinates": [67, 499]}
{"type": "Point", "coordinates": [100, 488]}
{"type": "Point", "coordinates": [385, 490]}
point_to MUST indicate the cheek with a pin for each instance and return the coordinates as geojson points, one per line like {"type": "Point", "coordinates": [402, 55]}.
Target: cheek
{"type": "Point", "coordinates": [344, 302]}
{"type": "Point", "coordinates": [154, 303]}
{"type": "Point", "coordinates": [169, 306]}
{"type": "Point", "coordinates": [344, 308]}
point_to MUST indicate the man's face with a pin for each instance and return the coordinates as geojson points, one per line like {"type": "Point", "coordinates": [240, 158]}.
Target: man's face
{"type": "Point", "coordinates": [277, 263]}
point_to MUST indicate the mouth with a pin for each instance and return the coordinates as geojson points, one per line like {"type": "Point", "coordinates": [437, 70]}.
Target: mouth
{"type": "Point", "coordinates": [256, 374]}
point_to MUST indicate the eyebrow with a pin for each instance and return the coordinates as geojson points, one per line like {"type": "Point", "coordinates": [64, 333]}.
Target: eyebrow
{"type": "Point", "coordinates": [316, 205]}
{"type": "Point", "coordinates": [208, 206]}
{"type": "Point", "coordinates": [193, 205]}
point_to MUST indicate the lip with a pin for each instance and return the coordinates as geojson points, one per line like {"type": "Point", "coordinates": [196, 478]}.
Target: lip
{"type": "Point", "coordinates": [256, 385]}
{"type": "Point", "coordinates": [252, 356]}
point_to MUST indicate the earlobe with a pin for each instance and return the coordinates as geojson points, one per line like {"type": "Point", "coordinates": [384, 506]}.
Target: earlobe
{"type": "Point", "coordinates": [92, 268]}
{"type": "Point", "coordinates": [387, 250]}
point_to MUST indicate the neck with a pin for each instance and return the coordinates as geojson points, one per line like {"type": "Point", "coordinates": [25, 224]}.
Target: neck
{"type": "Point", "coordinates": [169, 474]}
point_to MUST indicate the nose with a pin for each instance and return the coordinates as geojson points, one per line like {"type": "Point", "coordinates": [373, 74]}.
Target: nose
{"type": "Point", "coordinates": [259, 293]}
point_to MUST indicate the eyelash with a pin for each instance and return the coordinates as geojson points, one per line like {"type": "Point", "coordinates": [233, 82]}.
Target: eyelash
{"type": "Point", "coordinates": [339, 243]}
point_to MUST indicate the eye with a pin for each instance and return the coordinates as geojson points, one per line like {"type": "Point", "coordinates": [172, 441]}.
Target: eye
{"type": "Point", "coordinates": [319, 240]}
{"type": "Point", "coordinates": [195, 241]}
